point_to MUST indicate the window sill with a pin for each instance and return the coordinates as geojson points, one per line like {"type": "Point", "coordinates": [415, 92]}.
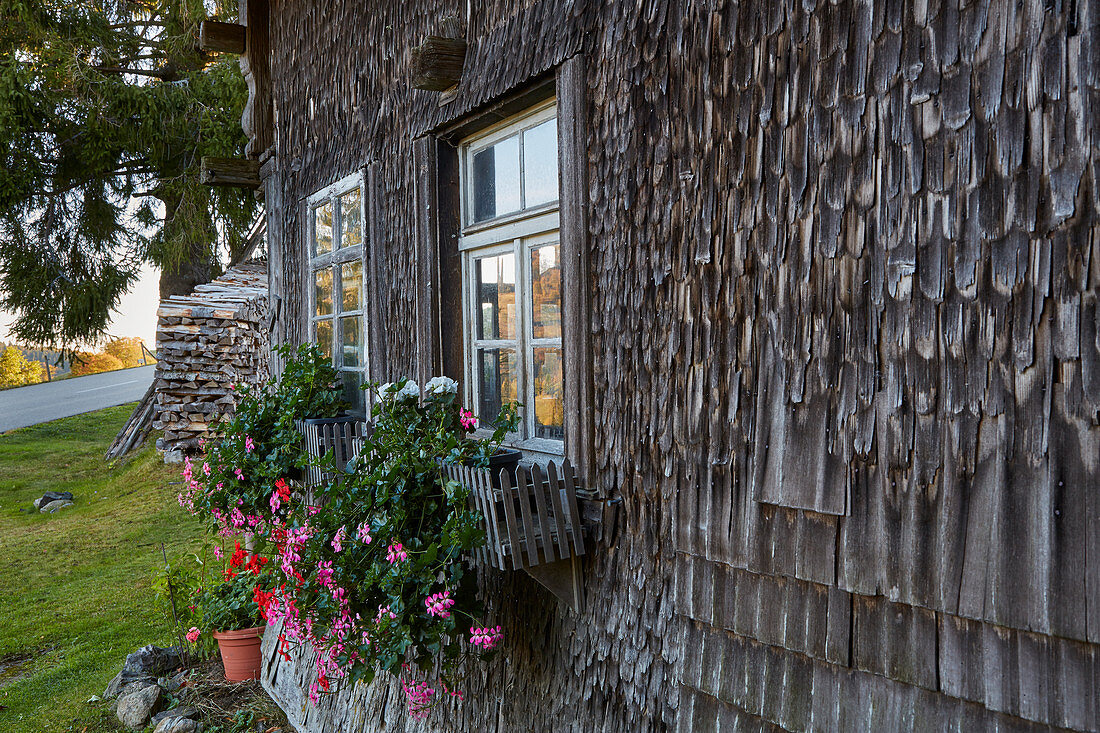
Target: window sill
{"type": "Point", "coordinates": [534, 450]}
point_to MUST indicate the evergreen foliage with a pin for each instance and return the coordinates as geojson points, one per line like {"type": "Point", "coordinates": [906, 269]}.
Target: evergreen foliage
{"type": "Point", "coordinates": [106, 109]}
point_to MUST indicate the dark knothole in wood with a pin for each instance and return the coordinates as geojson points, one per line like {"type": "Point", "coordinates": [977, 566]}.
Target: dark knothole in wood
{"type": "Point", "coordinates": [437, 63]}
{"type": "Point", "coordinates": [230, 172]}
{"type": "Point", "coordinates": [224, 37]}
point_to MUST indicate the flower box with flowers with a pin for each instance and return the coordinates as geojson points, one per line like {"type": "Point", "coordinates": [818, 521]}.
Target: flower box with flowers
{"type": "Point", "coordinates": [379, 580]}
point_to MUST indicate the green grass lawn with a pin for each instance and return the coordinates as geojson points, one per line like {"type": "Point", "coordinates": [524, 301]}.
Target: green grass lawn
{"type": "Point", "coordinates": [75, 587]}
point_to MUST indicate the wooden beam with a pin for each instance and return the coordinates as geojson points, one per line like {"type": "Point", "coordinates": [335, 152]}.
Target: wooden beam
{"type": "Point", "coordinates": [437, 63]}
{"type": "Point", "coordinates": [225, 37]}
{"type": "Point", "coordinates": [230, 172]}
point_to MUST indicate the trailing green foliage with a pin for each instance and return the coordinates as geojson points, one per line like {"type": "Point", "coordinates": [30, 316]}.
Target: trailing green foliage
{"type": "Point", "coordinates": [260, 444]}
{"type": "Point", "coordinates": [106, 109]}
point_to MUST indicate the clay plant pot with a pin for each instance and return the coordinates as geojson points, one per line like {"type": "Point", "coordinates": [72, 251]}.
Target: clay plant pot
{"type": "Point", "coordinates": [240, 651]}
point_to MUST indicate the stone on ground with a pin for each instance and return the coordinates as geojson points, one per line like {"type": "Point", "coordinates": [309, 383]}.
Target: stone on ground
{"type": "Point", "coordinates": [184, 711]}
{"type": "Point", "coordinates": [144, 665]}
{"type": "Point", "coordinates": [55, 506]}
{"type": "Point", "coordinates": [178, 725]}
{"type": "Point", "coordinates": [52, 496]}
{"type": "Point", "coordinates": [136, 707]}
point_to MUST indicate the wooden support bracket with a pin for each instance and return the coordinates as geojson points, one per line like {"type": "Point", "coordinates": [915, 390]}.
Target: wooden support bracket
{"type": "Point", "coordinates": [224, 37]}
{"type": "Point", "coordinates": [230, 172]}
{"type": "Point", "coordinates": [437, 63]}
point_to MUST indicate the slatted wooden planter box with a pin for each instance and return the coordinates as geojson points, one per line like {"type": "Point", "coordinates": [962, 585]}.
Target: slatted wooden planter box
{"type": "Point", "coordinates": [533, 523]}
{"type": "Point", "coordinates": [341, 435]}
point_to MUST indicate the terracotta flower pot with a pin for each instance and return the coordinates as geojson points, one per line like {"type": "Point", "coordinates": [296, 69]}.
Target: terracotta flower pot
{"type": "Point", "coordinates": [241, 653]}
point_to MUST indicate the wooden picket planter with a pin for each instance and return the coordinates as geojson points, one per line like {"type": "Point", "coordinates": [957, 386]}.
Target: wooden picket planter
{"type": "Point", "coordinates": [535, 522]}
{"type": "Point", "coordinates": [341, 435]}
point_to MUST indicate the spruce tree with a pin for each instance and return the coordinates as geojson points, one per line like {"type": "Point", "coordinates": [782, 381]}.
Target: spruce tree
{"type": "Point", "coordinates": [106, 108]}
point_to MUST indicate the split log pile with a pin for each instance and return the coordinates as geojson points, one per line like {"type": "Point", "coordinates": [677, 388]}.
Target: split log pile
{"type": "Point", "coordinates": [207, 342]}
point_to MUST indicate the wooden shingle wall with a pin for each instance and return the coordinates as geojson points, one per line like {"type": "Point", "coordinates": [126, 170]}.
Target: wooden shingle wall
{"type": "Point", "coordinates": [845, 260]}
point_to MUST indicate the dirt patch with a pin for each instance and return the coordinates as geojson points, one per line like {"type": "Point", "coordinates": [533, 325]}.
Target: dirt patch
{"type": "Point", "coordinates": [16, 666]}
{"type": "Point", "coordinates": [241, 707]}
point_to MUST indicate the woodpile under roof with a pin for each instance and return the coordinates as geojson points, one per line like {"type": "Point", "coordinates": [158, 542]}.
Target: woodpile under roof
{"type": "Point", "coordinates": [207, 342]}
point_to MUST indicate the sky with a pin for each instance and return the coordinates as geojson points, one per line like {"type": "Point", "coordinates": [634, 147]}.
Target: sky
{"type": "Point", "coordinates": [136, 315]}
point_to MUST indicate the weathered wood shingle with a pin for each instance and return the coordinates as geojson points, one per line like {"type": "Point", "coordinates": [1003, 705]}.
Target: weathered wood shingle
{"type": "Point", "coordinates": [846, 364]}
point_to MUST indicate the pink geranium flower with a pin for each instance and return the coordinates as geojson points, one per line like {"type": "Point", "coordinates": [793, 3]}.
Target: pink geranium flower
{"type": "Point", "coordinates": [486, 638]}
{"type": "Point", "coordinates": [338, 539]}
{"type": "Point", "coordinates": [438, 603]}
{"type": "Point", "coordinates": [467, 419]}
{"type": "Point", "coordinates": [396, 553]}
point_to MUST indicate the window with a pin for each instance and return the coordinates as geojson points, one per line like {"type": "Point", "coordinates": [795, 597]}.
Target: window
{"type": "Point", "coordinates": [337, 300]}
{"type": "Point", "coordinates": [511, 270]}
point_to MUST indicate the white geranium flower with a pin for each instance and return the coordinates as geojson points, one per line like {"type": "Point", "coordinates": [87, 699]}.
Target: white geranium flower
{"type": "Point", "coordinates": [441, 386]}
{"type": "Point", "coordinates": [409, 392]}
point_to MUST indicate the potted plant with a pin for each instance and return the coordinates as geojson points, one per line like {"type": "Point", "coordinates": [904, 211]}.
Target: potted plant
{"type": "Point", "coordinates": [233, 611]}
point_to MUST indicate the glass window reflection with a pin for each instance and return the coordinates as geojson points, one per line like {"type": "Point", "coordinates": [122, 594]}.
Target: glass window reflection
{"type": "Point", "coordinates": [351, 342]}
{"type": "Point", "coordinates": [351, 283]}
{"type": "Point", "coordinates": [351, 219]}
{"type": "Point", "coordinates": [496, 179]}
{"type": "Point", "coordinates": [497, 380]}
{"type": "Point", "coordinates": [549, 403]}
{"type": "Point", "coordinates": [322, 228]}
{"type": "Point", "coordinates": [540, 164]}
{"type": "Point", "coordinates": [496, 297]}
{"type": "Point", "coordinates": [546, 292]}
{"type": "Point", "coordinates": [324, 337]}
{"type": "Point", "coordinates": [322, 291]}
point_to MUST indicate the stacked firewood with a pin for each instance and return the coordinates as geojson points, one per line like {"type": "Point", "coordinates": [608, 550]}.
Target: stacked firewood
{"type": "Point", "coordinates": [207, 343]}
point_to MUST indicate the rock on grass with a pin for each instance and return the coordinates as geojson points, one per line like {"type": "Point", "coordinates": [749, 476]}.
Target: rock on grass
{"type": "Point", "coordinates": [136, 707]}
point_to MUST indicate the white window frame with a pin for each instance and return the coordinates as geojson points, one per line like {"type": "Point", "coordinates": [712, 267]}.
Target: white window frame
{"type": "Point", "coordinates": [334, 260]}
{"type": "Point", "coordinates": [516, 232]}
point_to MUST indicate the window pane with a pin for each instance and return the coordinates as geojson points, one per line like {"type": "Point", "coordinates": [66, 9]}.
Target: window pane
{"type": "Point", "coordinates": [496, 297]}
{"type": "Point", "coordinates": [540, 164]}
{"type": "Point", "coordinates": [496, 179]}
{"type": "Point", "coordinates": [322, 291]}
{"type": "Point", "coordinates": [351, 220]}
{"type": "Point", "coordinates": [352, 353]}
{"type": "Point", "coordinates": [324, 337]}
{"type": "Point", "coordinates": [496, 384]}
{"type": "Point", "coordinates": [351, 382]}
{"type": "Point", "coordinates": [351, 283]}
{"type": "Point", "coordinates": [549, 406]}
{"type": "Point", "coordinates": [322, 228]}
{"type": "Point", "coordinates": [546, 292]}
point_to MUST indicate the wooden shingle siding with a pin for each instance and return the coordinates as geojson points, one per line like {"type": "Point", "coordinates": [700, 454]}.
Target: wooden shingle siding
{"type": "Point", "coordinates": [843, 261]}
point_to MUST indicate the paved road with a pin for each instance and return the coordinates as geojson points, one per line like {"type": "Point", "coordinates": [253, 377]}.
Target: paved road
{"type": "Point", "coordinates": [37, 403]}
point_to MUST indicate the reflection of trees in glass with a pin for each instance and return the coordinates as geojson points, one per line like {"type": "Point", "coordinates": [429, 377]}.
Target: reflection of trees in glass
{"type": "Point", "coordinates": [351, 229]}
{"type": "Point", "coordinates": [351, 281]}
{"type": "Point", "coordinates": [322, 228]}
{"type": "Point", "coordinates": [546, 292]}
{"type": "Point", "coordinates": [324, 337]}
{"type": "Point", "coordinates": [323, 292]}
{"type": "Point", "coordinates": [549, 401]}
{"type": "Point", "coordinates": [496, 283]}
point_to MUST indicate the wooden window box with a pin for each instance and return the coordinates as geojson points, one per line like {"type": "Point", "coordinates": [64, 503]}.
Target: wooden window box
{"type": "Point", "coordinates": [341, 435]}
{"type": "Point", "coordinates": [533, 522]}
